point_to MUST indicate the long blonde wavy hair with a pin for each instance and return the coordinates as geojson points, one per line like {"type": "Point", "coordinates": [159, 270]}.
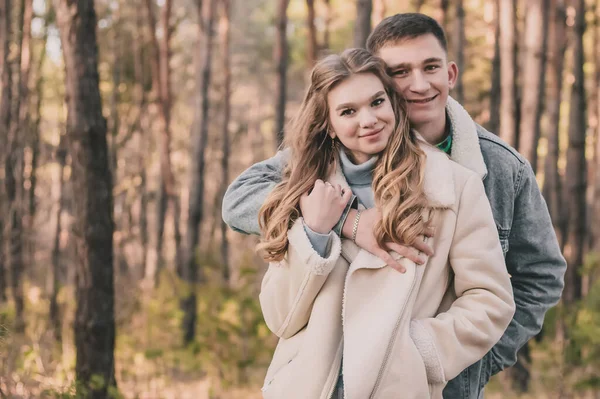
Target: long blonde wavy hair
{"type": "Point", "coordinates": [397, 176]}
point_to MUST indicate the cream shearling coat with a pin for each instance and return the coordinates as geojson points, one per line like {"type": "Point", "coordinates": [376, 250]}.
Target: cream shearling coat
{"type": "Point", "coordinates": [401, 335]}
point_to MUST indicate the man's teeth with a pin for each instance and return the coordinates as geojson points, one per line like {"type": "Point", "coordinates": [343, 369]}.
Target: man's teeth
{"type": "Point", "coordinates": [422, 101]}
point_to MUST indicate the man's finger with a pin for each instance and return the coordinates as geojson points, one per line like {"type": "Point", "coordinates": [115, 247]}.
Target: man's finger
{"type": "Point", "coordinates": [421, 245]}
{"type": "Point", "coordinates": [387, 258]}
{"type": "Point", "coordinates": [408, 252]}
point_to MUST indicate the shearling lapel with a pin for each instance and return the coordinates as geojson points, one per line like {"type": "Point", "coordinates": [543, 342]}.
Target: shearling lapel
{"type": "Point", "coordinates": [465, 141]}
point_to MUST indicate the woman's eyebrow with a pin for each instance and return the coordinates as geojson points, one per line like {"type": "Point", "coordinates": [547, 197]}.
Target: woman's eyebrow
{"type": "Point", "coordinates": [349, 105]}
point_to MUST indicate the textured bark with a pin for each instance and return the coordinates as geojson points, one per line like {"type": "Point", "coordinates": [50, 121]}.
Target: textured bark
{"type": "Point", "coordinates": [494, 123]}
{"type": "Point", "coordinates": [199, 141]}
{"type": "Point", "coordinates": [311, 45]}
{"type": "Point", "coordinates": [576, 171]}
{"type": "Point", "coordinates": [33, 141]}
{"type": "Point", "coordinates": [459, 43]}
{"type": "Point", "coordinates": [596, 195]}
{"type": "Point", "coordinates": [362, 26]}
{"type": "Point", "coordinates": [508, 71]}
{"type": "Point", "coordinates": [140, 78]}
{"type": "Point", "coordinates": [92, 208]}
{"type": "Point", "coordinates": [160, 60]}
{"type": "Point", "coordinates": [280, 55]}
{"type": "Point", "coordinates": [226, 65]}
{"type": "Point", "coordinates": [5, 114]}
{"type": "Point", "coordinates": [14, 182]}
{"type": "Point", "coordinates": [536, 31]}
{"type": "Point", "coordinates": [53, 277]}
{"type": "Point", "coordinates": [557, 45]}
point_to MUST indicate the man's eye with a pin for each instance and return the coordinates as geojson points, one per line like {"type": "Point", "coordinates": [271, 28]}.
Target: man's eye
{"type": "Point", "coordinates": [378, 102]}
{"type": "Point", "coordinates": [400, 72]}
{"type": "Point", "coordinates": [431, 67]}
{"type": "Point", "coordinates": [347, 112]}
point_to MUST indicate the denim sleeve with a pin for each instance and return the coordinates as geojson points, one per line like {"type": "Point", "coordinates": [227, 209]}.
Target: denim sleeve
{"type": "Point", "coordinates": [246, 194]}
{"type": "Point", "coordinates": [321, 243]}
{"type": "Point", "coordinates": [537, 267]}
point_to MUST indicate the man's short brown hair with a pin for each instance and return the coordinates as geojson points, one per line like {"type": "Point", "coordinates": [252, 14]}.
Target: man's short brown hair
{"type": "Point", "coordinates": [404, 26]}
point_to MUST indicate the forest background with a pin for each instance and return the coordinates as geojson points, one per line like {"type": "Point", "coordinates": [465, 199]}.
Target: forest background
{"type": "Point", "coordinates": [118, 277]}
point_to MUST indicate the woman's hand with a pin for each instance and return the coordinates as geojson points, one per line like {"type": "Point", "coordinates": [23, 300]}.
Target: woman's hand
{"type": "Point", "coordinates": [323, 207]}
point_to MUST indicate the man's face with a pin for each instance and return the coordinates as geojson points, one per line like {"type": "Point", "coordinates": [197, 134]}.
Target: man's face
{"type": "Point", "coordinates": [423, 76]}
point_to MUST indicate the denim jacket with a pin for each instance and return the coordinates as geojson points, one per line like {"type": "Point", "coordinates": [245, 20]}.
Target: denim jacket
{"type": "Point", "coordinates": [532, 253]}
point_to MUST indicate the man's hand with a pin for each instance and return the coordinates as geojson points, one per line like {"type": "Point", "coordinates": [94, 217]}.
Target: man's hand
{"type": "Point", "coordinates": [366, 240]}
{"type": "Point", "coordinates": [323, 207]}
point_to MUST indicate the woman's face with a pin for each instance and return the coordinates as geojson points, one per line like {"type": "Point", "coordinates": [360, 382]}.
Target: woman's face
{"type": "Point", "coordinates": [361, 115]}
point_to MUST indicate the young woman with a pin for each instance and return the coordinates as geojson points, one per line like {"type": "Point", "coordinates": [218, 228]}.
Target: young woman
{"type": "Point", "coordinates": [350, 326]}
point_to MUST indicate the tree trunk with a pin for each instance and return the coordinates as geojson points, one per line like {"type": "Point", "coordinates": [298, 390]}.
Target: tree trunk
{"type": "Point", "coordinates": [459, 43]}
{"type": "Point", "coordinates": [419, 5]}
{"type": "Point", "coordinates": [226, 65]}
{"type": "Point", "coordinates": [328, 17]}
{"type": "Point", "coordinates": [196, 202]}
{"type": "Point", "coordinates": [536, 31]}
{"type": "Point", "coordinates": [557, 45]}
{"type": "Point", "coordinates": [311, 47]}
{"type": "Point", "coordinates": [596, 195]}
{"type": "Point", "coordinates": [442, 13]}
{"type": "Point", "coordinates": [160, 60]}
{"type": "Point", "coordinates": [33, 141]}
{"type": "Point", "coordinates": [362, 26]}
{"type": "Point", "coordinates": [5, 104]}
{"type": "Point", "coordinates": [576, 166]}
{"type": "Point", "coordinates": [508, 71]}
{"type": "Point", "coordinates": [494, 123]}
{"type": "Point", "coordinates": [281, 60]}
{"type": "Point", "coordinates": [53, 276]}
{"type": "Point", "coordinates": [379, 11]}
{"type": "Point", "coordinates": [143, 129]}
{"type": "Point", "coordinates": [91, 179]}
{"type": "Point", "coordinates": [14, 185]}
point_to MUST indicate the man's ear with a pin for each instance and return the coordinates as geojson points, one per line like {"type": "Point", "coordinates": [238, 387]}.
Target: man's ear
{"type": "Point", "coordinates": [452, 74]}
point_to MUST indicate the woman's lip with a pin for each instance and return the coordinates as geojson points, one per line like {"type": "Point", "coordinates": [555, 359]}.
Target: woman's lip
{"type": "Point", "coordinates": [373, 133]}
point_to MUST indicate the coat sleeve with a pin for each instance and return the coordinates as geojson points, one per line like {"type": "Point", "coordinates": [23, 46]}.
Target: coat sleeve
{"type": "Point", "coordinates": [476, 320]}
{"type": "Point", "coordinates": [289, 287]}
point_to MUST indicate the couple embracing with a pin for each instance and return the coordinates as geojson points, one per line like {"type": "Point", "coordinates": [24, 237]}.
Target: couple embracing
{"type": "Point", "coordinates": [411, 254]}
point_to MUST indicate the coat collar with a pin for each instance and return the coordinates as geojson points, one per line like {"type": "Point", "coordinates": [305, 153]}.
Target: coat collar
{"type": "Point", "coordinates": [438, 181]}
{"type": "Point", "coordinates": [465, 141]}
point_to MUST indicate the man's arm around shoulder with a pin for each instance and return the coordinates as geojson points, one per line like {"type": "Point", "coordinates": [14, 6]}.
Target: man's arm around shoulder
{"type": "Point", "coordinates": [247, 193]}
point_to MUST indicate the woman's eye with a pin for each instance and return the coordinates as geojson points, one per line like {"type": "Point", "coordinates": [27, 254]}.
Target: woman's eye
{"type": "Point", "coordinates": [347, 112]}
{"type": "Point", "coordinates": [377, 102]}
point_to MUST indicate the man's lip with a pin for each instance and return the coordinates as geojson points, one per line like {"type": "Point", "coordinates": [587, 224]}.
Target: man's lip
{"type": "Point", "coordinates": [414, 101]}
{"type": "Point", "coordinates": [372, 133]}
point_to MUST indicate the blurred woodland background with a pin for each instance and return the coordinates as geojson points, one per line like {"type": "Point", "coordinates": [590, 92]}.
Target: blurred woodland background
{"type": "Point", "coordinates": [118, 277]}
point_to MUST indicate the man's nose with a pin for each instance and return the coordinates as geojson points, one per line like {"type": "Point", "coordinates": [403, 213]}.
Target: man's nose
{"type": "Point", "coordinates": [419, 82]}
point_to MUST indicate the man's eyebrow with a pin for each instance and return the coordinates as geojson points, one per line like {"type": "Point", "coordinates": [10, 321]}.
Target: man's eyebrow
{"type": "Point", "coordinates": [407, 65]}
{"type": "Point", "coordinates": [348, 105]}
{"type": "Point", "coordinates": [432, 59]}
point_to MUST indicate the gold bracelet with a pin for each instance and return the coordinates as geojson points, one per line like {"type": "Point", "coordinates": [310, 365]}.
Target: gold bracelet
{"type": "Point", "coordinates": [355, 226]}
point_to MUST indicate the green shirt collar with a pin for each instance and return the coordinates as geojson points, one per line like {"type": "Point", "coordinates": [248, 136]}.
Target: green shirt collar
{"type": "Point", "coordinates": [446, 144]}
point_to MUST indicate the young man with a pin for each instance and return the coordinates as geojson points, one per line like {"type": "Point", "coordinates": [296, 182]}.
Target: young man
{"type": "Point", "coordinates": [414, 48]}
